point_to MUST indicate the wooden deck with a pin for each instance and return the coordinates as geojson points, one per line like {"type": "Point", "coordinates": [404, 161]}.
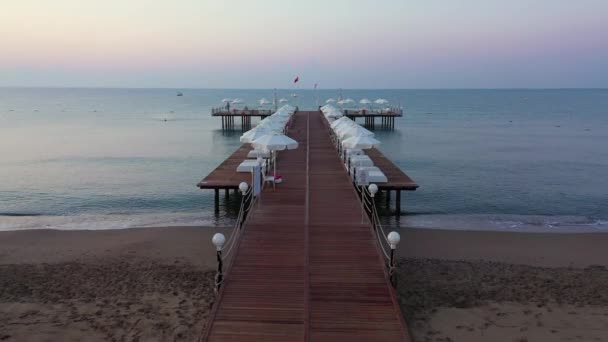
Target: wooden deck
{"type": "Point", "coordinates": [226, 177]}
{"type": "Point", "coordinates": [307, 267]}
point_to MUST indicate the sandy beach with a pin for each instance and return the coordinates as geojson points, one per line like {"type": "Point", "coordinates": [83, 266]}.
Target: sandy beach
{"type": "Point", "coordinates": [155, 284]}
{"type": "Point", "coordinates": [503, 286]}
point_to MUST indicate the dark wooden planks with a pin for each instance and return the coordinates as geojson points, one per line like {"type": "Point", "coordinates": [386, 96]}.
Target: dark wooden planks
{"type": "Point", "coordinates": [307, 270]}
{"type": "Point", "coordinates": [350, 298]}
{"type": "Point", "coordinates": [225, 176]}
{"type": "Point", "coordinates": [263, 297]}
{"type": "Point", "coordinates": [397, 179]}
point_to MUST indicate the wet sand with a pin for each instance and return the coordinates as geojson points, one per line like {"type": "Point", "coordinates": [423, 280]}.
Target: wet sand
{"type": "Point", "coordinates": [156, 284]}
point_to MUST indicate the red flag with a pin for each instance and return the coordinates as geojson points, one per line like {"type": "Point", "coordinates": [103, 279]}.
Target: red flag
{"type": "Point", "coordinates": [295, 80]}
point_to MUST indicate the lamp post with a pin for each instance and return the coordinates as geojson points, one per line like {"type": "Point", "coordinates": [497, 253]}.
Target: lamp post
{"type": "Point", "coordinates": [373, 189]}
{"type": "Point", "coordinates": [393, 240]}
{"type": "Point", "coordinates": [218, 241]}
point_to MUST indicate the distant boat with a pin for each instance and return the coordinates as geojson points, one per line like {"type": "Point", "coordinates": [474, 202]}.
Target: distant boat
{"type": "Point", "coordinates": [179, 93]}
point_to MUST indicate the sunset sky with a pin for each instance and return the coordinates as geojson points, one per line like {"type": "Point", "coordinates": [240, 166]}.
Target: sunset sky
{"type": "Point", "coordinates": [264, 44]}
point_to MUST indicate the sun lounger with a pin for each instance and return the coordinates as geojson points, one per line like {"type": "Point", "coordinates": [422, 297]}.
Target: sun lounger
{"type": "Point", "coordinates": [366, 175]}
{"type": "Point", "coordinates": [360, 160]}
{"type": "Point", "coordinates": [248, 165]}
{"type": "Point", "coordinates": [258, 153]}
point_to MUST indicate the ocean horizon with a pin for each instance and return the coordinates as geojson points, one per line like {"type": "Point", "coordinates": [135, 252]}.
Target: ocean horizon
{"type": "Point", "coordinates": [525, 160]}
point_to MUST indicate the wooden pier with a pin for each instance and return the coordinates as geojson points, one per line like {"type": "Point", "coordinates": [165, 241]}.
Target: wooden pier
{"type": "Point", "coordinates": [245, 115]}
{"type": "Point", "coordinates": [386, 118]}
{"type": "Point", "coordinates": [307, 266]}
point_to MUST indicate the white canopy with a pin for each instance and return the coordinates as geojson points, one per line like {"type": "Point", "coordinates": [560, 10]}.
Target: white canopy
{"type": "Point", "coordinates": [226, 100]}
{"type": "Point", "coordinates": [275, 142]}
{"type": "Point", "coordinates": [365, 101]}
{"type": "Point", "coordinates": [381, 101]}
{"type": "Point", "coordinates": [237, 101]}
{"type": "Point", "coordinates": [341, 121]}
{"type": "Point", "coordinates": [330, 100]}
{"type": "Point", "coordinates": [264, 102]}
{"type": "Point", "coordinates": [283, 100]}
{"type": "Point", "coordinates": [254, 134]}
{"type": "Point", "coordinates": [360, 142]}
{"type": "Point", "coordinates": [353, 131]}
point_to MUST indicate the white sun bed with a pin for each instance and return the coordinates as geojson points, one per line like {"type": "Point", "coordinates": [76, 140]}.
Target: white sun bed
{"type": "Point", "coordinates": [366, 175]}
{"type": "Point", "coordinates": [360, 160]}
{"type": "Point", "coordinates": [248, 165]}
{"type": "Point", "coordinates": [353, 152]}
{"type": "Point", "coordinates": [258, 153]}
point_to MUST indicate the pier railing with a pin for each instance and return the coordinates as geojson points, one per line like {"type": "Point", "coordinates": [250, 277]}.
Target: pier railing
{"type": "Point", "coordinates": [387, 242]}
{"type": "Point", "coordinates": [389, 111]}
{"type": "Point", "coordinates": [224, 246]}
{"type": "Point", "coordinates": [219, 111]}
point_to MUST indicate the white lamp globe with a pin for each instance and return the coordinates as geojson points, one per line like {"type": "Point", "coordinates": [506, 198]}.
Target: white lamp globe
{"type": "Point", "coordinates": [243, 187]}
{"type": "Point", "coordinates": [373, 189]}
{"type": "Point", "coordinates": [218, 241]}
{"type": "Point", "coordinates": [393, 239]}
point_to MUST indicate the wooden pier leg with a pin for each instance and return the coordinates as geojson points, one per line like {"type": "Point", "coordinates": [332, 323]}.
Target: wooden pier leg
{"type": "Point", "coordinates": [217, 200]}
{"type": "Point", "coordinates": [227, 193]}
{"type": "Point", "coordinates": [222, 122]}
{"type": "Point", "coordinates": [398, 203]}
{"type": "Point", "coordinates": [388, 199]}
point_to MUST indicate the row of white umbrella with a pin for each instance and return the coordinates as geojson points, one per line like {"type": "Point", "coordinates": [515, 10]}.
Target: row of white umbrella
{"type": "Point", "coordinates": [262, 101]}
{"type": "Point", "coordinates": [349, 133]}
{"type": "Point", "coordinates": [269, 135]}
{"type": "Point", "coordinates": [362, 101]}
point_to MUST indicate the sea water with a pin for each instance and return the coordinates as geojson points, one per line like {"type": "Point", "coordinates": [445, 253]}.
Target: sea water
{"type": "Point", "coordinates": [525, 160]}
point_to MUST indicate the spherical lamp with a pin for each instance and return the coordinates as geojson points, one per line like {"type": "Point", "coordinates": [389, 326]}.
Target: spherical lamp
{"type": "Point", "coordinates": [218, 241]}
{"type": "Point", "coordinates": [393, 239]}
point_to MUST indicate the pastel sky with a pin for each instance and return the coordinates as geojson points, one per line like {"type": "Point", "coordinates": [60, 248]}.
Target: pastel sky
{"type": "Point", "coordinates": [337, 43]}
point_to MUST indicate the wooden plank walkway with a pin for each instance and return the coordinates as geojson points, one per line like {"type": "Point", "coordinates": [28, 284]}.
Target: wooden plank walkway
{"type": "Point", "coordinates": [307, 267]}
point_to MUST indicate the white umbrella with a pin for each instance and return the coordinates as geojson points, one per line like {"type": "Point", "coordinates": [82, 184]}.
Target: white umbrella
{"type": "Point", "coordinates": [283, 100]}
{"type": "Point", "coordinates": [273, 125]}
{"type": "Point", "coordinates": [341, 121]}
{"type": "Point", "coordinates": [254, 134]}
{"type": "Point", "coordinates": [330, 101]}
{"type": "Point", "coordinates": [345, 125]}
{"type": "Point", "coordinates": [361, 142]}
{"type": "Point", "coordinates": [264, 102]}
{"type": "Point", "coordinates": [275, 142]}
{"type": "Point", "coordinates": [226, 100]}
{"type": "Point", "coordinates": [353, 131]}
{"type": "Point", "coordinates": [365, 101]}
{"type": "Point", "coordinates": [334, 114]}
{"type": "Point", "coordinates": [381, 101]}
{"type": "Point", "coordinates": [237, 101]}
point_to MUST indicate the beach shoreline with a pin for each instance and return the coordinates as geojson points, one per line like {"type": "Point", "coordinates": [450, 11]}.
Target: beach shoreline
{"type": "Point", "coordinates": [157, 283]}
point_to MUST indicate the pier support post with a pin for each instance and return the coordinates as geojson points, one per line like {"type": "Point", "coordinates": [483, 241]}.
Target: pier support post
{"type": "Point", "coordinates": [217, 199]}
{"type": "Point", "coordinates": [398, 203]}
{"type": "Point", "coordinates": [227, 193]}
{"type": "Point", "coordinates": [388, 199]}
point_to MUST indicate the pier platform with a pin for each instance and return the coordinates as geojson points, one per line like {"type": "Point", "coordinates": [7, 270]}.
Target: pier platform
{"type": "Point", "coordinates": [225, 175]}
{"type": "Point", "coordinates": [307, 266]}
{"type": "Point", "coordinates": [245, 115]}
